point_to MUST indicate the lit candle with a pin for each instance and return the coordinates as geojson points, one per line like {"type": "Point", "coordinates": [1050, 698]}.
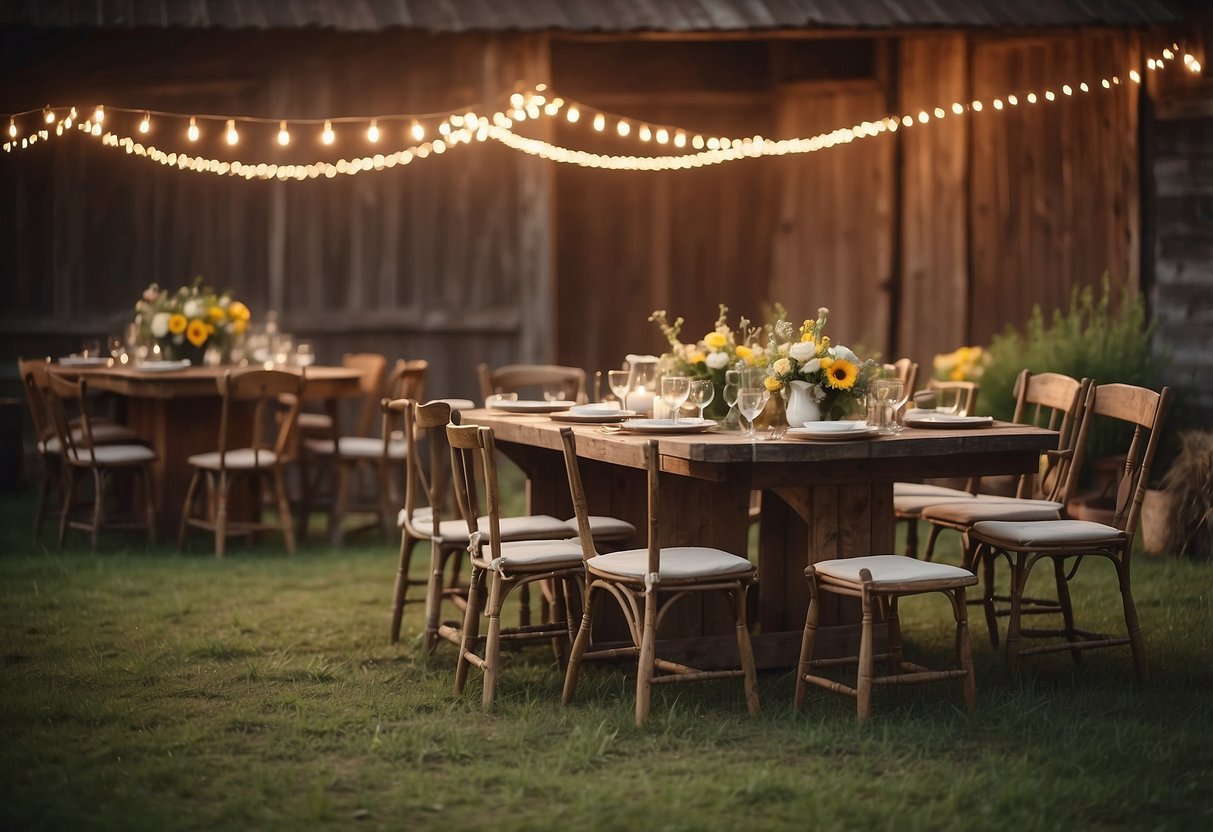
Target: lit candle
{"type": "Point", "coordinates": [641, 401]}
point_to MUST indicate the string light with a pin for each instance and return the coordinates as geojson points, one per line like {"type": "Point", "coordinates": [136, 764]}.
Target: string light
{"type": "Point", "coordinates": [284, 135]}
{"type": "Point", "coordinates": [372, 132]}
{"type": "Point", "coordinates": [572, 114]}
{"type": "Point", "coordinates": [232, 136]}
{"type": "Point", "coordinates": [145, 125]}
{"type": "Point", "coordinates": [12, 128]}
{"type": "Point", "coordinates": [417, 131]}
{"type": "Point", "coordinates": [99, 114]}
{"type": "Point", "coordinates": [48, 115]}
{"type": "Point", "coordinates": [192, 133]}
{"type": "Point", "coordinates": [327, 135]}
{"type": "Point", "coordinates": [599, 122]}
{"type": "Point", "coordinates": [623, 128]}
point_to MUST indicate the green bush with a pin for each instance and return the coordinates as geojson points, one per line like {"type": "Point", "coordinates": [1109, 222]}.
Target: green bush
{"type": "Point", "coordinates": [1088, 340]}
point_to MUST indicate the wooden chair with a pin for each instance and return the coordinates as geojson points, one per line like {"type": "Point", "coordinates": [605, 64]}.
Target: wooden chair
{"type": "Point", "coordinates": [646, 583]}
{"type": "Point", "coordinates": [372, 365]}
{"type": "Point", "coordinates": [879, 581]}
{"type": "Point", "coordinates": [222, 468]}
{"type": "Point", "coordinates": [529, 378]}
{"type": "Point", "coordinates": [968, 391]}
{"type": "Point", "coordinates": [1024, 544]}
{"type": "Point", "coordinates": [504, 566]}
{"type": "Point", "coordinates": [79, 451]}
{"type": "Point", "coordinates": [907, 371]}
{"type": "Point", "coordinates": [35, 380]}
{"type": "Point", "coordinates": [365, 457]}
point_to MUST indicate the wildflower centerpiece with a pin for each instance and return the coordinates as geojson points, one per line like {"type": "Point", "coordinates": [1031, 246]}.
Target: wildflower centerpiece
{"type": "Point", "coordinates": [962, 364]}
{"type": "Point", "coordinates": [720, 350]}
{"type": "Point", "coordinates": [817, 379]}
{"type": "Point", "coordinates": [190, 322]}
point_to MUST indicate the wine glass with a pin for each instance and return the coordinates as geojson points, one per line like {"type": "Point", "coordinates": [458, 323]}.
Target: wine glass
{"type": "Point", "coordinates": [674, 392]}
{"type": "Point", "coordinates": [948, 401]}
{"type": "Point", "coordinates": [732, 383]}
{"type": "Point", "coordinates": [304, 356]}
{"type": "Point", "coordinates": [553, 392]}
{"type": "Point", "coordinates": [750, 402]}
{"type": "Point", "coordinates": [885, 394]}
{"type": "Point", "coordinates": [702, 394]}
{"type": "Point", "coordinates": [617, 380]}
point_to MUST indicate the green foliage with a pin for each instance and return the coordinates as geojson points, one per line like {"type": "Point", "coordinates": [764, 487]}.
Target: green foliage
{"type": "Point", "coordinates": [1189, 482]}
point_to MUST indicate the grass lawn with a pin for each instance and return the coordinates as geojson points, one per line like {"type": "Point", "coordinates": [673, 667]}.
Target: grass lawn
{"type": "Point", "coordinates": [152, 690]}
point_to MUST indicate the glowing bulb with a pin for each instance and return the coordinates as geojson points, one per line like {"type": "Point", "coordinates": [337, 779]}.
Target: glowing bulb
{"type": "Point", "coordinates": [645, 133]}
{"type": "Point", "coordinates": [192, 132]}
{"type": "Point", "coordinates": [1013, 100]}
{"type": "Point", "coordinates": [146, 124]}
{"type": "Point", "coordinates": [939, 113]}
{"type": "Point", "coordinates": [958, 108]}
{"type": "Point", "coordinates": [1067, 89]}
{"type": "Point", "coordinates": [697, 142]}
{"type": "Point", "coordinates": [372, 132]}
{"type": "Point", "coordinates": [49, 115]}
{"type": "Point", "coordinates": [680, 139]}
{"type": "Point", "coordinates": [1188, 59]}
{"type": "Point", "coordinates": [997, 103]}
{"type": "Point", "coordinates": [517, 101]}
{"type": "Point", "coordinates": [99, 114]}
{"type": "Point", "coordinates": [1194, 66]}
{"type": "Point", "coordinates": [1083, 86]}
{"type": "Point", "coordinates": [976, 105]}
{"type": "Point", "coordinates": [924, 117]}
{"type": "Point", "coordinates": [1168, 54]}
{"type": "Point", "coordinates": [284, 135]}
{"type": "Point", "coordinates": [1031, 98]}
{"type": "Point", "coordinates": [232, 136]}
{"type": "Point", "coordinates": [907, 120]}
{"type": "Point", "coordinates": [417, 131]}
{"type": "Point", "coordinates": [327, 135]}
{"type": "Point", "coordinates": [624, 128]}
{"type": "Point", "coordinates": [713, 143]}
{"type": "Point", "coordinates": [12, 129]}
{"type": "Point", "coordinates": [444, 128]}
{"type": "Point", "coordinates": [1150, 64]}
{"type": "Point", "coordinates": [572, 114]}
{"type": "Point", "coordinates": [1106, 84]}
{"type": "Point", "coordinates": [599, 122]}
{"type": "Point", "coordinates": [1134, 76]}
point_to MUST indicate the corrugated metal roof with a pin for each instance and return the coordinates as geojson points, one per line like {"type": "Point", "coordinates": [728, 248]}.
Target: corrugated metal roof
{"type": "Point", "coordinates": [455, 16]}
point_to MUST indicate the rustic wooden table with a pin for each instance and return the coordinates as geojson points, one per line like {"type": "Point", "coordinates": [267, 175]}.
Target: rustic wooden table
{"type": "Point", "coordinates": [820, 500]}
{"type": "Point", "coordinates": [177, 412]}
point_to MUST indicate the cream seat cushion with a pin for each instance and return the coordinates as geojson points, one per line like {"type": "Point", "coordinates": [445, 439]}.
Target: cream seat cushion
{"type": "Point", "coordinates": [894, 569]}
{"type": "Point", "coordinates": [1007, 508]}
{"type": "Point", "coordinates": [105, 433]}
{"type": "Point", "coordinates": [117, 454]}
{"type": "Point", "coordinates": [533, 555]}
{"type": "Point", "coordinates": [1047, 533]}
{"type": "Point", "coordinates": [913, 506]}
{"type": "Point", "coordinates": [240, 459]}
{"type": "Point", "coordinates": [677, 563]}
{"type": "Point", "coordinates": [604, 528]}
{"type": "Point", "coordinates": [526, 527]}
{"type": "Point", "coordinates": [358, 447]}
{"type": "Point", "coordinates": [922, 489]}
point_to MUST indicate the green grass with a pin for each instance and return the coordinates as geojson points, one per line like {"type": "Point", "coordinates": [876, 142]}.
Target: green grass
{"type": "Point", "coordinates": [152, 690]}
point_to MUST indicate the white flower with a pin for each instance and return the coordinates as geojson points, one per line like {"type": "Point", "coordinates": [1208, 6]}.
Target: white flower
{"type": "Point", "coordinates": [782, 366]}
{"type": "Point", "coordinates": [193, 308]}
{"type": "Point", "coordinates": [784, 348]}
{"type": "Point", "coordinates": [160, 324]}
{"type": "Point", "coordinates": [812, 366]}
{"type": "Point", "coordinates": [717, 360]}
{"type": "Point", "coordinates": [817, 393]}
{"type": "Point", "coordinates": [803, 350]}
{"type": "Point", "coordinates": [845, 353]}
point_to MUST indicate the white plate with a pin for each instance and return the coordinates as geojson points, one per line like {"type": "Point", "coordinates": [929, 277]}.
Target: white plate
{"type": "Point", "coordinates": [691, 425]}
{"type": "Point", "coordinates": [945, 421]}
{"type": "Point", "coordinates": [605, 417]}
{"type": "Point", "coordinates": [841, 425]}
{"type": "Point", "coordinates": [83, 361]}
{"type": "Point", "coordinates": [530, 406]}
{"type": "Point", "coordinates": [598, 409]}
{"type": "Point", "coordinates": [831, 435]}
{"type": "Point", "coordinates": [162, 366]}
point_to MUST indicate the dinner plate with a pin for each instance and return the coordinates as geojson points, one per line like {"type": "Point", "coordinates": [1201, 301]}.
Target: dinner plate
{"type": "Point", "coordinates": [530, 406]}
{"type": "Point", "coordinates": [691, 425]}
{"type": "Point", "coordinates": [605, 417]}
{"type": "Point", "coordinates": [945, 421]}
{"type": "Point", "coordinates": [83, 361]}
{"type": "Point", "coordinates": [831, 435]}
{"type": "Point", "coordinates": [841, 425]}
{"type": "Point", "coordinates": [598, 409]}
{"type": "Point", "coordinates": [162, 366]}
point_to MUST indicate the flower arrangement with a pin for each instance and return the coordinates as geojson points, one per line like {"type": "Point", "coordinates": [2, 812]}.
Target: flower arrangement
{"type": "Point", "coordinates": [720, 350]}
{"type": "Point", "coordinates": [837, 380]}
{"type": "Point", "coordinates": [963, 364]}
{"type": "Point", "coordinates": [189, 321]}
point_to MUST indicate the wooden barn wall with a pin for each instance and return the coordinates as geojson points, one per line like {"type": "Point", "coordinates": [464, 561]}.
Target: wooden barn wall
{"type": "Point", "coordinates": [447, 259]}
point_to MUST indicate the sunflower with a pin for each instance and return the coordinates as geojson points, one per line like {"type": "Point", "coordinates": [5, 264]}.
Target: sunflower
{"type": "Point", "coordinates": [177, 323]}
{"type": "Point", "coordinates": [237, 311]}
{"type": "Point", "coordinates": [840, 373]}
{"type": "Point", "coordinates": [216, 313]}
{"type": "Point", "coordinates": [197, 332]}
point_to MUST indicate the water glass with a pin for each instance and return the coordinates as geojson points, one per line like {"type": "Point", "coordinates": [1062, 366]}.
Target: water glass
{"type": "Point", "coordinates": [949, 401]}
{"type": "Point", "coordinates": [886, 397]}
{"type": "Point", "coordinates": [750, 402]}
{"type": "Point", "coordinates": [674, 392]}
{"type": "Point", "coordinates": [304, 356]}
{"type": "Point", "coordinates": [553, 392]}
{"type": "Point", "coordinates": [703, 392]}
{"type": "Point", "coordinates": [617, 380]}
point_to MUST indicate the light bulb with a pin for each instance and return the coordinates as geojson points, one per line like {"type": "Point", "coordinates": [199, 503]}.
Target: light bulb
{"type": "Point", "coordinates": [624, 128]}
{"type": "Point", "coordinates": [192, 132]}
{"type": "Point", "coordinates": [1168, 54]}
{"type": "Point", "coordinates": [958, 108]}
{"type": "Point", "coordinates": [232, 135]}
{"type": "Point", "coordinates": [327, 136]}
{"type": "Point", "coordinates": [12, 129]}
{"type": "Point", "coordinates": [997, 103]}
{"type": "Point", "coordinates": [1067, 89]}
{"type": "Point", "coordinates": [49, 115]}
{"type": "Point", "coordinates": [697, 142]}
{"type": "Point", "coordinates": [417, 131]}
{"type": "Point", "coordinates": [599, 122]}
{"type": "Point", "coordinates": [924, 116]}
{"type": "Point", "coordinates": [572, 114]}
{"type": "Point", "coordinates": [1031, 98]}
{"type": "Point", "coordinates": [445, 128]}
{"type": "Point", "coordinates": [1134, 76]}
{"type": "Point", "coordinates": [680, 139]}
{"type": "Point", "coordinates": [284, 135]}
{"type": "Point", "coordinates": [645, 133]}
{"type": "Point", "coordinates": [146, 124]}
{"type": "Point", "coordinates": [372, 132]}
{"type": "Point", "coordinates": [939, 112]}
{"type": "Point", "coordinates": [1049, 96]}
{"type": "Point", "coordinates": [976, 105]}
{"type": "Point", "coordinates": [1012, 100]}
{"type": "Point", "coordinates": [99, 114]}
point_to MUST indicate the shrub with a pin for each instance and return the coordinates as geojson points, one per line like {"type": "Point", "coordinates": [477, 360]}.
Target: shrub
{"type": "Point", "coordinates": [1189, 482]}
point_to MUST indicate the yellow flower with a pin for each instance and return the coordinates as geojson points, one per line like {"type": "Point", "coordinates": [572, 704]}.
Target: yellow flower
{"type": "Point", "coordinates": [744, 352]}
{"type": "Point", "coordinates": [216, 313]}
{"type": "Point", "coordinates": [807, 338]}
{"type": "Point", "coordinates": [697, 357]}
{"type": "Point", "coordinates": [238, 311]}
{"type": "Point", "coordinates": [715, 340]}
{"type": "Point", "coordinates": [238, 326]}
{"type": "Point", "coordinates": [197, 332]}
{"type": "Point", "coordinates": [177, 323]}
{"type": "Point", "coordinates": [840, 373]}
{"type": "Point", "coordinates": [957, 374]}
{"type": "Point", "coordinates": [771, 383]}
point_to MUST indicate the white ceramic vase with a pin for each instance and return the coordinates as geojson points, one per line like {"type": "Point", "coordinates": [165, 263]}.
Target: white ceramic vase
{"type": "Point", "coordinates": [799, 405]}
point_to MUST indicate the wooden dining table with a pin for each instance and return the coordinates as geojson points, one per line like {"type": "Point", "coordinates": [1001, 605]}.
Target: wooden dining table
{"type": "Point", "coordinates": [177, 413]}
{"type": "Point", "coordinates": [820, 500]}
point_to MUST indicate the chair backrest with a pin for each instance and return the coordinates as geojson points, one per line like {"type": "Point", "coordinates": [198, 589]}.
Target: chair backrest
{"type": "Point", "coordinates": [515, 378]}
{"type": "Point", "coordinates": [907, 371]}
{"type": "Point", "coordinates": [473, 447]}
{"type": "Point", "coordinates": [407, 380]}
{"type": "Point", "coordinates": [1144, 410]}
{"type": "Point", "coordinates": [76, 447]}
{"type": "Point", "coordinates": [267, 390]}
{"type": "Point", "coordinates": [426, 483]}
{"type": "Point", "coordinates": [968, 390]}
{"type": "Point", "coordinates": [35, 379]}
{"type": "Point", "coordinates": [1061, 403]}
{"type": "Point", "coordinates": [371, 365]}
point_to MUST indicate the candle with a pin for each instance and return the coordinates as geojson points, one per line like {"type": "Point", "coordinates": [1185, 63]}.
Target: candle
{"type": "Point", "coordinates": [641, 401]}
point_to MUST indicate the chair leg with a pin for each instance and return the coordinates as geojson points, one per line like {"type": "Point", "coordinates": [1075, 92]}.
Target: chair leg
{"type": "Point", "coordinates": [894, 626]}
{"type": "Point", "coordinates": [433, 595]}
{"type": "Point", "coordinates": [806, 643]}
{"type": "Point", "coordinates": [98, 506]}
{"type": "Point", "coordinates": [1019, 580]}
{"type": "Point", "coordinates": [579, 645]}
{"type": "Point", "coordinates": [221, 515]}
{"type": "Point", "coordinates": [400, 592]}
{"type": "Point", "coordinates": [648, 654]}
{"type": "Point", "coordinates": [187, 508]}
{"type": "Point", "coordinates": [1067, 608]}
{"type": "Point", "coordinates": [305, 496]}
{"type": "Point", "coordinates": [471, 629]}
{"type": "Point", "coordinates": [341, 490]}
{"type": "Point", "coordinates": [1137, 642]}
{"type": "Point", "coordinates": [285, 520]}
{"type": "Point", "coordinates": [524, 605]}
{"type": "Point", "coordinates": [69, 496]}
{"type": "Point", "coordinates": [863, 688]}
{"type": "Point", "coordinates": [931, 539]}
{"type": "Point", "coordinates": [746, 651]}
{"type": "Point", "coordinates": [987, 556]}
{"type": "Point", "coordinates": [44, 489]}
{"type": "Point", "coordinates": [964, 648]}
{"type": "Point", "coordinates": [560, 612]}
{"type": "Point", "coordinates": [912, 537]}
{"type": "Point", "coordinates": [492, 642]}
{"type": "Point", "coordinates": [149, 505]}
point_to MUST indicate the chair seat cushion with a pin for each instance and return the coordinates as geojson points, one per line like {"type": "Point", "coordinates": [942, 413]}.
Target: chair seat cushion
{"type": "Point", "coordinates": [677, 563]}
{"type": "Point", "coordinates": [914, 505]}
{"type": "Point", "coordinates": [358, 447]}
{"type": "Point", "coordinates": [605, 528]}
{"type": "Point", "coordinates": [117, 455]}
{"type": "Point", "coordinates": [1003, 508]}
{"type": "Point", "coordinates": [922, 489]}
{"type": "Point", "coordinates": [314, 422]}
{"type": "Point", "coordinates": [894, 569]}
{"type": "Point", "coordinates": [1048, 533]}
{"type": "Point", "coordinates": [106, 433]}
{"type": "Point", "coordinates": [534, 555]}
{"type": "Point", "coordinates": [239, 459]}
{"type": "Point", "coordinates": [526, 527]}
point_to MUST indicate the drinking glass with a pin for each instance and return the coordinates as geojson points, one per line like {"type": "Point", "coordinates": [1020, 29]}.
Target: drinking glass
{"type": "Point", "coordinates": [304, 356]}
{"type": "Point", "coordinates": [750, 402]}
{"type": "Point", "coordinates": [674, 392]}
{"type": "Point", "coordinates": [886, 393]}
{"type": "Point", "coordinates": [732, 383]}
{"type": "Point", "coordinates": [91, 347]}
{"type": "Point", "coordinates": [553, 392]}
{"type": "Point", "coordinates": [282, 347]}
{"type": "Point", "coordinates": [617, 380]}
{"type": "Point", "coordinates": [702, 394]}
{"type": "Point", "coordinates": [948, 401]}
